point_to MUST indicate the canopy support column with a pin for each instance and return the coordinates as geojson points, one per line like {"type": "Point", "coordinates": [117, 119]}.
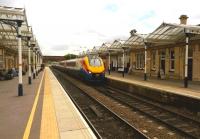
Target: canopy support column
{"type": "Point", "coordinates": [123, 62]}
{"type": "Point", "coordinates": [33, 63]}
{"type": "Point", "coordinates": [20, 85]}
{"type": "Point", "coordinates": [36, 62]}
{"type": "Point", "coordinates": [29, 61]}
{"type": "Point", "coordinates": [186, 61]}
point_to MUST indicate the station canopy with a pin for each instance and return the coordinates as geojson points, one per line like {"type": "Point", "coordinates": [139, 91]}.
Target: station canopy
{"type": "Point", "coordinates": [135, 41]}
{"type": "Point", "coordinates": [168, 33]}
{"type": "Point", "coordinates": [117, 45]}
{"type": "Point", "coordinates": [94, 51]}
{"type": "Point", "coordinates": [9, 17]}
{"type": "Point", "coordinates": [104, 48]}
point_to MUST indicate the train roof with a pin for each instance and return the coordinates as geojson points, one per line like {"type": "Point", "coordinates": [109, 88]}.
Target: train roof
{"type": "Point", "coordinates": [70, 60]}
{"type": "Point", "coordinates": [73, 60]}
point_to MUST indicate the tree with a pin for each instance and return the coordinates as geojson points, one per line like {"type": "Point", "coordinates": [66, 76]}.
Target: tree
{"type": "Point", "coordinates": [70, 56]}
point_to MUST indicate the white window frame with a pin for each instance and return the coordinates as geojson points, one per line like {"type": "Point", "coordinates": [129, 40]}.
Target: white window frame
{"type": "Point", "coordinates": [140, 60]}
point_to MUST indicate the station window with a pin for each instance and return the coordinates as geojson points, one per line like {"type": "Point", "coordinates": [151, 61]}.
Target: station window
{"type": "Point", "coordinates": [172, 60]}
{"type": "Point", "coordinates": [140, 60]}
{"type": "Point", "coordinates": [162, 54]}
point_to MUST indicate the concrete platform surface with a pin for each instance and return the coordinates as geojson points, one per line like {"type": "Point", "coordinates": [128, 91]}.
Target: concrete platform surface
{"type": "Point", "coordinates": [172, 86]}
{"type": "Point", "coordinates": [45, 111]}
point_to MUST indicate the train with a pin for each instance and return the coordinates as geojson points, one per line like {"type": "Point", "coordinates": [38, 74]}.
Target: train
{"type": "Point", "coordinates": [89, 68]}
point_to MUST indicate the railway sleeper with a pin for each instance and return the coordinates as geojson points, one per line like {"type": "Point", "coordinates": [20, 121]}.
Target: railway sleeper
{"type": "Point", "coordinates": [96, 111]}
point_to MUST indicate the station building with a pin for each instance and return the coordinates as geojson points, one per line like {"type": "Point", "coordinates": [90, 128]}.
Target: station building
{"type": "Point", "coordinates": [166, 52]}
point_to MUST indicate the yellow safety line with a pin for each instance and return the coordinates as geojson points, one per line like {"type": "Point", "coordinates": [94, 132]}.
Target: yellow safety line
{"type": "Point", "coordinates": [30, 120]}
{"type": "Point", "coordinates": [49, 128]}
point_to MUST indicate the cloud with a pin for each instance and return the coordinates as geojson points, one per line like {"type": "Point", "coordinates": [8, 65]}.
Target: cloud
{"type": "Point", "coordinates": [88, 23]}
{"type": "Point", "coordinates": [147, 15]}
{"type": "Point", "coordinates": [60, 47]}
{"type": "Point", "coordinates": [111, 7]}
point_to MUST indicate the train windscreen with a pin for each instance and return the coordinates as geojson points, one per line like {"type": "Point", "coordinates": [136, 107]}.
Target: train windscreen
{"type": "Point", "coordinates": [95, 61]}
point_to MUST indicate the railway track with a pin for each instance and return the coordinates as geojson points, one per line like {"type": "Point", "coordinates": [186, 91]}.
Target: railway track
{"type": "Point", "coordinates": [104, 122]}
{"type": "Point", "coordinates": [187, 126]}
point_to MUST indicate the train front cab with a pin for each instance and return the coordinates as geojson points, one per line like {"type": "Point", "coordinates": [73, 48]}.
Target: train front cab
{"type": "Point", "coordinates": [93, 69]}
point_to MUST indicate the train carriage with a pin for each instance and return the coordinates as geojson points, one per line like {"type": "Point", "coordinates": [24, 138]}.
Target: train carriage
{"type": "Point", "coordinates": [89, 68]}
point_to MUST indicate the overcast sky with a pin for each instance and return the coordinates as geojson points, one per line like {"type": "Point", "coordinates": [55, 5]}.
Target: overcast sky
{"type": "Point", "coordinates": [71, 26]}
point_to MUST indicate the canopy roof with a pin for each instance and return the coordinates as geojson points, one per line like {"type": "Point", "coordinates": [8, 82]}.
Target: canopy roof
{"type": "Point", "coordinates": [165, 34]}
{"type": "Point", "coordinates": [117, 45]}
{"type": "Point", "coordinates": [104, 47]}
{"type": "Point", "coordinates": [9, 17]}
{"type": "Point", "coordinates": [135, 41]}
{"type": "Point", "coordinates": [168, 33]}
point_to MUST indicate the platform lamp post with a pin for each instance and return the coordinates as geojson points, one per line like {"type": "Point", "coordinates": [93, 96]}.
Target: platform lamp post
{"type": "Point", "coordinates": [186, 31]}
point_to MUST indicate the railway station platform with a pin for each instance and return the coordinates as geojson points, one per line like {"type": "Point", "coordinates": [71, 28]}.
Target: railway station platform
{"type": "Point", "coordinates": [169, 91]}
{"type": "Point", "coordinates": [44, 111]}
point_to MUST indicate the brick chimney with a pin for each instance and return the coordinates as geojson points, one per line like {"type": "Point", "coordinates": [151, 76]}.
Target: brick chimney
{"type": "Point", "coordinates": [132, 32]}
{"type": "Point", "coordinates": [183, 19]}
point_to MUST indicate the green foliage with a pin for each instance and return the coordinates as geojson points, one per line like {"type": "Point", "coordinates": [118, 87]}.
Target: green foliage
{"type": "Point", "coordinates": [70, 56]}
